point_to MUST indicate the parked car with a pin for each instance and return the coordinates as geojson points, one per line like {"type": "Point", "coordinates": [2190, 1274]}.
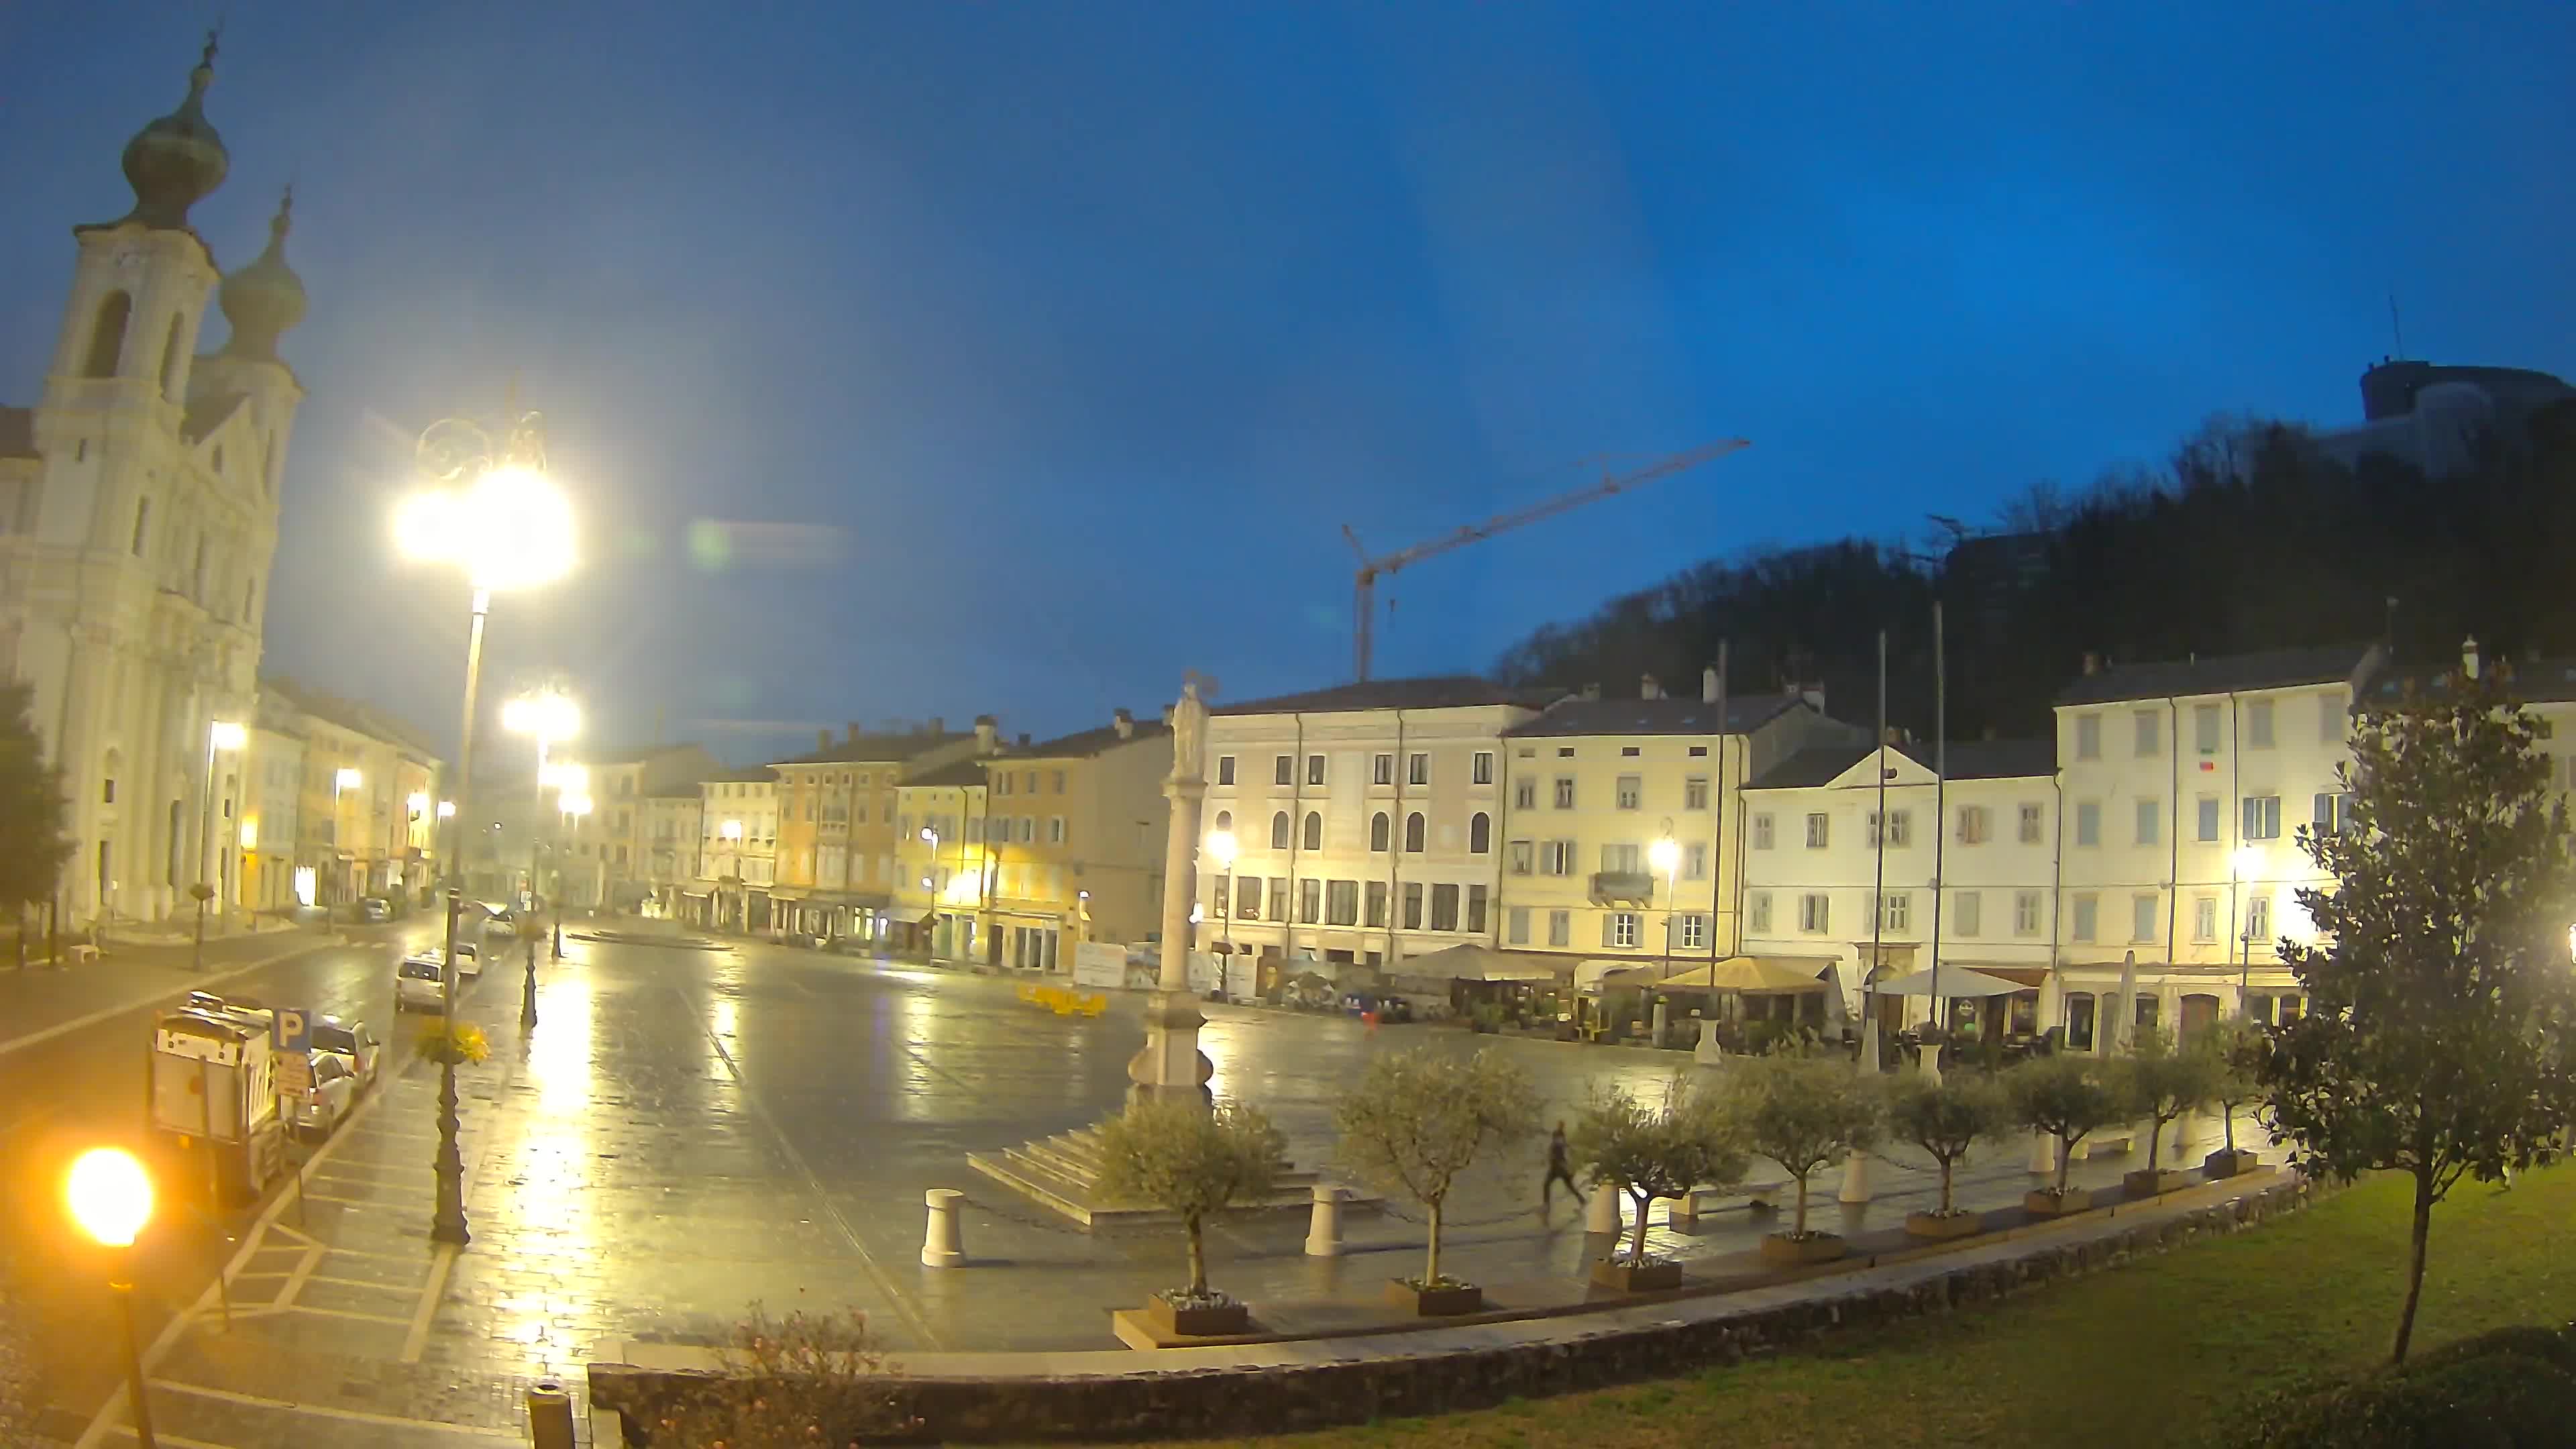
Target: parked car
{"type": "Point", "coordinates": [1388, 1009]}
{"type": "Point", "coordinates": [501, 926]}
{"type": "Point", "coordinates": [421, 981]}
{"type": "Point", "coordinates": [318, 1108]}
{"type": "Point", "coordinates": [353, 1041]}
{"type": "Point", "coordinates": [469, 962]}
{"type": "Point", "coordinates": [375, 910]}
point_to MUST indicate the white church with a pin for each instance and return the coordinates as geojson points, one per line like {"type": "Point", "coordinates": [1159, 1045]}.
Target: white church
{"type": "Point", "coordinates": [138, 518]}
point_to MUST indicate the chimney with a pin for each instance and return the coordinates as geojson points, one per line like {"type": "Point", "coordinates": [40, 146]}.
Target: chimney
{"type": "Point", "coordinates": [2092, 662]}
{"type": "Point", "coordinates": [1814, 695]}
{"type": "Point", "coordinates": [1123, 722]}
{"type": "Point", "coordinates": [2469, 656]}
{"type": "Point", "coordinates": [851, 730]}
{"type": "Point", "coordinates": [822, 740]}
{"type": "Point", "coordinates": [1590, 691]}
{"type": "Point", "coordinates": [1708, 685]}
{"type": "Point", "coordinates": [1650, 688]}
{"type": "Point", "coordinates": [988, 734]}
{"type": "Point", "coordinates": [1024, 739]}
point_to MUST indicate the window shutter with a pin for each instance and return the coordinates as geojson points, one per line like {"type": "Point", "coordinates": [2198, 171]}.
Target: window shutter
{"type": "Point", "coordinates": [1605, 928]}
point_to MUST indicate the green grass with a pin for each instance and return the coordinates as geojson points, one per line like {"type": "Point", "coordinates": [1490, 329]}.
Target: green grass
{"type": "Point", "coordinates": [2157, 1352]}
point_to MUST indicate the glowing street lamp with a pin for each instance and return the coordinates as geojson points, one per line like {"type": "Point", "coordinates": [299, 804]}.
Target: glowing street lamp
{"type": "Point", "coordinates": [110, 1197]}
{"type": "Point", "coordinates": [550, 717]}
{"type": "Point", "coordinates": [1222, 848]}
{"type": "Point", "coordinates": [1665, 855]}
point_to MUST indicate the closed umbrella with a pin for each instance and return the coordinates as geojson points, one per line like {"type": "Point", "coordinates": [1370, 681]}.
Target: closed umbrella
{"type": "Point", "coordinates": [2124, 1027]}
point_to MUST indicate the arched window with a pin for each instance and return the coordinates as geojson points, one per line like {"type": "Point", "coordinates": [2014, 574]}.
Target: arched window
{"type": "Point", "coordinates": [1279, 831]}
{"type": "Point", "coordinates": [1224, 820]}
{"type": "Point", "coordinates": [173, 353]}
{"type": "Point", "coordinates": [1379, 832]}
{"type": "Point", "coordinates": [1413, 832]}
{"type": "Point", "coordinates": [107, 334]}
{"type": "Point", "coordinates": [1314, 830]}
{"type": "Point", "coordinates": [1480, 833]}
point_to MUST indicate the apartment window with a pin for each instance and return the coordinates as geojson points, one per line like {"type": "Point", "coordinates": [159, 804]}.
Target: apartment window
{"type": "Point", "coordinates": [107, 791]}
{"type": "Point", "coordinates": [1028, 829]}
{"type": "Point", "coordinates": [1342, 903]}
{"type": "Point", "coordinates": [1413, 830]}
{"type": "Point", "coordinates": [2088, 912]}
{"type": "Point", "coordinates": [1565, 792]}
{"type": "Point", "coordinates": [2025, 913]}
{"type": "Point", "coordinates": [1620, 859]}
{"type": "Point", "coordinates": [1379, 831]}
{"type": "Point", "coordinates": [1693, 930]}
{"type": "Point", "coordinates": [1279, 831]}
{"type": "Point", "coordinates": [1413, 905]}
{"type": "Point", "coordinates": [1218, 904]}
{"type": "Point", "coordinates": [2204, 918]}
{"type": "Point", "coordinates": [1516, 926]}
{"type": "Point", "coordinates": [975, 830]}
{"type": "Point", "coordinates": [2205, 823]}
{"type": "Point", "coordinates": [1376, 903]}
{"type": "Point", "coordinates": [1520, 855]}
{"type": "Point", "coordinates": [2204, 728]}
{"type": "Point", "coordinates": [1057, 782]}
{"type": "Point", "coordinates": [2333, 812]}
{"type": "Point", "coordinates": [2088, 737]}
{"type": "Point", "coordinates": [1695, 860]}
{"type": "Point", "coordinates": [1314, 830]}
{"type": "Point", "coordinates": [1900, 828]}
{"type": "Point", "coordinates": [1382, 769]}
{"type": "Point", "coordinates": [1757, 912]}
{"type": "Point", "coordinates": [1695, 793]}
{"type": "Point", "coordinates": [1417, 770]}
{"type": "Point", "coordinates": [1283, 770]}
{"type": "Point", "coordinates": [2088, 822]}
{"type": "Point", "coordinates": [1975, 823]}
{"type": "Point", "coordinates": [1560, 928]}
{"type": "Point", "coordinates": [1629, 752]}
{"type": "Point", "coordinates": [1896, 911]}
{"type": "Point", "coordinates": [2030, 823]}
{"type": "Point", "coordinates": [1314, 769]}
{"type": "Point", "coordinates": [2262, 817]}
{"type": "Point", "coordinates": [1556, 857]}
{"type": "Point", "coordinates": [2142, 916]}
{"type": "Point", "coordinates": [1819, 830]}
{"type": "Point", "coordinates": [1631, 793]}
{"type": "Point", "coordinates": [1763, 834]}
{"type": "Point", "coordinates": [1476, 910]}
{"type": "Point", "coordinates": [1484, 768]}
{"type": "Point", "coordinates": [2258, 724]}
{"type": "Point", "coordinates": [2330, 719]}
{"type": "Point", "coordinates": [2150, 739]}
{"type": "Point", "coordinates": [2258, 918]}
{"type": "Point", "coordinates": [1310, 900]}
{"type": "Point", "coordinates": [1525, 794]}
{"type": "Point", "coordinates": [1619, 929]}
{"type": "Point", "coordinates": [1815, 912]}
{"type": "Point", "coordinates": [2150, 822]}
{"type": "Point", "coordinates": [1480, 833]}
{"type": "Point", "coordinates": [1968, 912]}
{"type": "Point", "coordinates": [1055, 830]}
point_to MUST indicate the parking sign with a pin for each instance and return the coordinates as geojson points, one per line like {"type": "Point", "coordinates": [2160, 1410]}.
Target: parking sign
{"type": "Point", "coordinates": [290, 1030]}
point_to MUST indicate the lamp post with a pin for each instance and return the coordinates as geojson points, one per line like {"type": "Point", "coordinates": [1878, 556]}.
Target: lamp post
{"type": "Point", "coordinates": [731, 833]}
{"type": "Point", "coordinates": [547, 715]}
{"type": "Point", "coordinates": [930, 836]}
{"type": "Point", "coordinates": [1665, 855]}
{"type": "Point", "coordinates": [111, 1199]}
{"type": "Point", "coordinates": [496, 516]}
{"type": "Point", "coordinates": [2240, 864]}
{"type": "Point", "coordinates": [222, 737]}
{"type": "Point", "coordinates": [1222, 847]}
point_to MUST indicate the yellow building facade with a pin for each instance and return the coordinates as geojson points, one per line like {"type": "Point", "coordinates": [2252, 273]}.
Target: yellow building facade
{"type": "Point", "coordinates": [1074, 832]}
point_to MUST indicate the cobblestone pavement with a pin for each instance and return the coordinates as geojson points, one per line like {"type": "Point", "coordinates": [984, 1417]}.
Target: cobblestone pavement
{"type": "Point", "coordinates": [688, 1131]}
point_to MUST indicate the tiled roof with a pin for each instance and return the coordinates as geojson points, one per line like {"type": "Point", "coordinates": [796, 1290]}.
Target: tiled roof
{"type": "Point", "coordinates": [2217, 674]}
{"type": "Point", "coordinates": [956, 773]}
{"type": "Point", "coordinates": [750, 775]}
{"type": "Point", "coordinates": [2535, 681]}
{"type": "Point", "coordinates": [1083, 744]}
{"type": "Point", "coordinates": [877, 749]}
{"type": "Point", "coordinates": [1655, 716]}
{"type": "Point", "coordinates": [1447, 691]}
{"type": "Point", "coordinates": [17, 432]}
{"type": "Point", "coordinates": [1968, 760]}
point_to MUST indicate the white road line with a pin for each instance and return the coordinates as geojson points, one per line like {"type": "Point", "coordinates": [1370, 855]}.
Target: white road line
{"type": "Point", "coordinates": [417, 1340]}
{"type": "Point", "coordinates": [331, 1411]}
{"type": "Point", "coordinates": [173, 1440]}
{"type": "Point", "coordinates": [344, 1313]}
{"type": "Point", "coordinates": [200, 984]}
{"type": "Point", "coordinates": [406, 1289]}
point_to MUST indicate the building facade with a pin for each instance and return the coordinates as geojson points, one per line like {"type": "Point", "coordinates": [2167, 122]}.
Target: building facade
{"type": "Point", "coordinates": [673, 840]}
{"type": "Point", "coordinates": [836, 829]}
{"type": "Point", "coordinates": [139, 498]}
{"type": "Point", "coordinates": [737, 851]}
{"type": "Point", "coordinates": [602, 855]}
{"type": "Point", "coordinates": [1074, 838]}
{"type": "Point", "coordinates": [367, 806]}
{"type": "Point", "coordinates": [272, 875]}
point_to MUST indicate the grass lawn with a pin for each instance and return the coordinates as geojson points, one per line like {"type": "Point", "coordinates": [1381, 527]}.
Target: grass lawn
{"type": "Point", "coordinates": [2156, 1352]}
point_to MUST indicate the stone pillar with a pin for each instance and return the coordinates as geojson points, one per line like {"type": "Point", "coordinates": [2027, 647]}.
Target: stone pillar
{"type": "Point", "coordinates": [1855, 1186]}
{"type": "Point", "coordinates": [1171, 1064]}
{"type": "Point", "coordinates": [941, 1244]}
{"type": "Point", "coordinates": [1601, 1210]}
{"type": "Point", "coordinates": [1663, 1019]}
{"type": "Point", "coordinates": [1324, 1226]}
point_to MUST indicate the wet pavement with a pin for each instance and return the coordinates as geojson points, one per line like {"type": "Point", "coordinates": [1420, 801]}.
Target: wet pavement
{"type": "Point", "coordinates": [688, 1131]}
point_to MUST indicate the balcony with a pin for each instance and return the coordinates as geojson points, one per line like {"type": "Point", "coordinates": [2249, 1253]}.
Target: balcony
{"type": "Point", "coordinates": [1623, 885]}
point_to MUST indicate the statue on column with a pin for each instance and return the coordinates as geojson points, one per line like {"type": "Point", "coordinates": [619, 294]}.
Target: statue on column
{"type": "Point", "coordinates": [1189, 730]}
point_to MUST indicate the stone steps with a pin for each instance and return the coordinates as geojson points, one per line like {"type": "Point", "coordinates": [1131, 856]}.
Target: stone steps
{"type": "Point", "coordinates": [1064, 1178]}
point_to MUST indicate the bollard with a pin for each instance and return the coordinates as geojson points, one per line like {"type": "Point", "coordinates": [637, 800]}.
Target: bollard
{"type": "Point", "coordinates": [1855, 1179]}
{"type": "Point", "coordinates": [2043, 1154]}
{"type": "Point", "coordinates": [1707, 1050]}
{"type": "Point", "coordinates": [1684, 1216]}
{"type": "Point", "coordinates": [940, 1245]}
{"type": "Point", "coordinates": [549, 1416]}
{"type": "Point", "coordinates": [1601, 1210]}
{"type": "Point", "coordinates": [1324, 1226]}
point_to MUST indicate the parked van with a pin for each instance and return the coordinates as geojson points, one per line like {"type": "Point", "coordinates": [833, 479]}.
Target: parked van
{"type": "Point", "coordinates": [420, 982]}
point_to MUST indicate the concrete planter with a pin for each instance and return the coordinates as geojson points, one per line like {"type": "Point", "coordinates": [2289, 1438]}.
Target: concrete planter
{"type": "Point", "coordinates": [1942, 1227]}
{"type": "Point", "coordinates": [2045, 1204]}
{"type": "Point", "coordinates": [1625, 1277]}
{"type": "Point", "coordinates": [2223, 1163]}
{"type": "Point", "coordinates": [1215, 1320]}
{"type": "Point", "coordinates": [1785, 1250]}
{"type": "Point", "coordinates": [1434, 1302]}
{"type": "Point", "coordinates": [2143, 1183]}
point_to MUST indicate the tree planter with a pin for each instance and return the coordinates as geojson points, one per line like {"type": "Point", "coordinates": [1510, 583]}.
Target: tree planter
{"type": "Point", "coordinates": [1637, 1277]}
{"type": "Point", "coordinates": [1943, 1225]}
{"type": "Point", "coordinates": [1435, 1302]}
{"type": "Point", "coordinates": [1198, 1320]}
{"type": "Point", "coordinates": [2143, 1183]}
{"type": "Point", "coordinates": [2044, 1204]}
{"type": "Point", "coordinates": [1783, 1249]}
{"type": "Point", "coordinates": [2224, 1163]}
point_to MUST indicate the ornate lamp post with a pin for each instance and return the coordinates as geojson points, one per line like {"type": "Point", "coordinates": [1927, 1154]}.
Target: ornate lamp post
{"type": "Point", "coordinates": [1665, 855]}
{"type": "Point", "coordinates": [495, 515]}
{"type": "Point", "coordinates": [111, 1199]}
{"type": "Point", "coordinates": [548, 715]}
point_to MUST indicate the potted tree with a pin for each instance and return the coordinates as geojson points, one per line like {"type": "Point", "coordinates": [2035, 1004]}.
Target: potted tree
{"type": "Point", "coordinates": [2167, 1080]}
{"type": "Point", "coordinates": [1193, 1161]}
{"type": "Point", "coordinates": [2238, 1047]}
{"type": "Point", "coordinates": [1946, 1117]}
{"type": "Point", "coordinates": [1803, 1111]}
{"type": "Point", "coordinates": [1651, 1152]}
{"type": "Point", "coordinates": [2068, 1096]}
{"type": "Point", "coordinates": [1414, 1121]}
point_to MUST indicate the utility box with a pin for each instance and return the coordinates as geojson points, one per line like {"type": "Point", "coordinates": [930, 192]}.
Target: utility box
{"type": "Point", "coordinates": [213, 1087]}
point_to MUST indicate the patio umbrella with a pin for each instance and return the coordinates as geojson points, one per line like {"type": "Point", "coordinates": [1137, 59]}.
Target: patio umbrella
{"type": "Point", "coordinates": [1956, 982]}
{"type": "Point", "coordinates": [1837, 1006]}
{"type": "Point", "coordinates": [1471, 962]}
{"type": "Point", "coordinates": [2124, 1027]}
{"type": "Point", "coordinates": [1735, 973]}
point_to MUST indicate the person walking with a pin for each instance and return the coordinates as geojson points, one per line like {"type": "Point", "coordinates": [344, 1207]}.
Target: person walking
{"type": "Point", "coordinates": [1560, 1168]}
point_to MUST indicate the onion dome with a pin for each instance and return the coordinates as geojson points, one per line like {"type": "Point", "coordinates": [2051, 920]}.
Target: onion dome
{"type": "Point", "coordinates": [175, 161]}
{"type": "Point", "coordinates": [264, 299]}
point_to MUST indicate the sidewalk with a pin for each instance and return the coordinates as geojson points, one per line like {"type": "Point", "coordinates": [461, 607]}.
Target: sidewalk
{"type": "Point", "coordinates": [43, 1001]}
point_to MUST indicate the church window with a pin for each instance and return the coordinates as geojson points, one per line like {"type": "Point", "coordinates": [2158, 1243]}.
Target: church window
{"type": "Point", "coordinates": [142, 524]}
{"type": "Point", "coordinates": [173, 353]}
{"type": "Point", "coordinates": [107, 335]}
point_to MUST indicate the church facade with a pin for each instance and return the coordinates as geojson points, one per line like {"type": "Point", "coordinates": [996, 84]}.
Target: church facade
{"type": "Point", "coordinates": [138, 521]}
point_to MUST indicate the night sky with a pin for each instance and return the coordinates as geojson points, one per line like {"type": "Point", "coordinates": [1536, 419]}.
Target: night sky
{"type": "Point", "coordinates": [914, 359]}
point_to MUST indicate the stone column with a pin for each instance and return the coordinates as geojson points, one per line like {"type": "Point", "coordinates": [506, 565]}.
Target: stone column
{"type": "Point", "coordinates": [1171, 1065]}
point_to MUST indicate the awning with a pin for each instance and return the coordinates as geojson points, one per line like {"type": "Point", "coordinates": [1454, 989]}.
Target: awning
{"type": "Point", "coordinates": [1735, 973]}
{"type": "Point", "coordinates": [1472, 962]}
{"type": "Point", "coordinates": [909, 915]}
{"type": "Point", "coordinates": [1956, 981]}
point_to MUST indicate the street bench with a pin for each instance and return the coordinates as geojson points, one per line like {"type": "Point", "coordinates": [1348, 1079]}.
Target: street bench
{"type": "Point", "coordinates": [79, 953]}
{"type": "Point", "coordinates": [1764, 1195]}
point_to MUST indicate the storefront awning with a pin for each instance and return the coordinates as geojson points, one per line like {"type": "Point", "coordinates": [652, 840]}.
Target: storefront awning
{"type": "Point", "coordinates": [1483, 963]}
{"type": "Point", "coordinates": [1955, 982]}
{"type": "Point", "coordinates": [1735, 973]}
{"type": "Point", "coordinates": [909, 915]}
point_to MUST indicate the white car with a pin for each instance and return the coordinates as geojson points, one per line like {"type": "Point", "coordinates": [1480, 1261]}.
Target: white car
{"type": "Point", "coordinates": [501, 926]}
{"type": "Point", "coordinates": [421, 981]}
{"type": "Point", "coordinates": [352, 1041]}
{"type": "Point", "coordinates": [469, 963]}
{"type": "Point", "coordinates": [319, 1108]}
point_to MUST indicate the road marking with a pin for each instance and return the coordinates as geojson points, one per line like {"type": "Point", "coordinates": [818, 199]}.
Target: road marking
{"type": "Point", "coordinates": [331, 1411]}
{"type": "Point", "coordinates": [343, 1313]}
{"type": "Point", "coordinates": [173, 1440]}
{"type": "Point", "coordinates": [416, 1341]}
{"type": "Point", "coordinates": [137, 1004]}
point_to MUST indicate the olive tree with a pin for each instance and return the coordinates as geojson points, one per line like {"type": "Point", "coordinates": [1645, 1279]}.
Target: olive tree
{"type": "Point", "coordinates": [1657, 1151]}
{"type": "Point", "coordinates": [2069, 1096]}
{"type": "Point", "coordinates": [1946, 1117]}
{"type": "Point", "coordinates": [2236, 1049]}
{"type": "Point", "coordinates": [1191, 1161]}
{"type": "Point", "coordinates": [1416, 1119]}
{"type": "Point", "coordinates": [1803, 1111]}
{"type": "Point", "coordinates": [2167, 1080]}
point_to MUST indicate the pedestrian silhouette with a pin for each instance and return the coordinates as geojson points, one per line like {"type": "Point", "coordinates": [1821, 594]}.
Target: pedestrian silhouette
{"type": "Point", "coordinates": [1560, 1168]}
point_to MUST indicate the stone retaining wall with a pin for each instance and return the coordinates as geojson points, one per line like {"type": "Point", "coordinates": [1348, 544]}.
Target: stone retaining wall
{"type": "Point", "coordinates": [1418, 1378]}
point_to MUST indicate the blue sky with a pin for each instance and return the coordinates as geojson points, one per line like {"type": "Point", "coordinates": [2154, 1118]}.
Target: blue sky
{"type": "Point", "coordinates": [1024, 356]}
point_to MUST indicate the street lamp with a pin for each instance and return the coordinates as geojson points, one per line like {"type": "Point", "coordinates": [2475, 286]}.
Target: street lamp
{"type": "Point", "coordinates": [494, 514]}
{"type": "Point", "coordinates": [111, 1199]}
{"type": "Point", "coordinates": [2241, 863]}
{"type": "Point", "coordinates": [732, 834]}
{"type": "Point", "coordinates": [1666, 857]}
{"type": "Point", "coordinates": [549, 716]}
{"type": "Point", "coordinates": [1222, 848]}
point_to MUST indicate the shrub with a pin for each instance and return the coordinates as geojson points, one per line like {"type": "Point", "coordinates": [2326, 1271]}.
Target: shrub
{"type": "Point", "coordinates": [2495, 1400]}
{"type": "Point", "coordinates": [1652, 1152]}
{"type": "Point", "coordinates": [804, 1380]}
{"type": "Point", "coordinates": [1416, 1119]}
{"type": "Point", "coordinates": [2238, 1047]}
{"type": "Point", "coordinates": [1192, 1161]}
{"type": "Point", "coordinates": [2069, 1097]}
{"type": "Point", "coordinates": [1947, 1117]}
{"type": "Point", "coordinates": [460, 1042]}
{"type": "Point", "coordinates": [1803, 1111]}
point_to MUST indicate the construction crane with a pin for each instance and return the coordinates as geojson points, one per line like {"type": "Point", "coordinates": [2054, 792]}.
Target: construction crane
{"type": "Point", "coordinates": [1364, 582]}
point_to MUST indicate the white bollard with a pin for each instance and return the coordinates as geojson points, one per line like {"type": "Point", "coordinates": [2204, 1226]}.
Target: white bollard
{"type": "Point", "coordinates": [2043, 1154]}
{"type": "Point", "coordinates": [1324, 1227]}
{"type": "Point", "coordinates": [1855, 1179]}
{"type": "Point", "coordinates": [1601, 1210]}
{"type": "Point", "coordinates": [1930, 1058]}
{"type": "Point", "coordinates": [1708, 1050]}
{"type": "Point", "coordinates": [940, 1245]}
